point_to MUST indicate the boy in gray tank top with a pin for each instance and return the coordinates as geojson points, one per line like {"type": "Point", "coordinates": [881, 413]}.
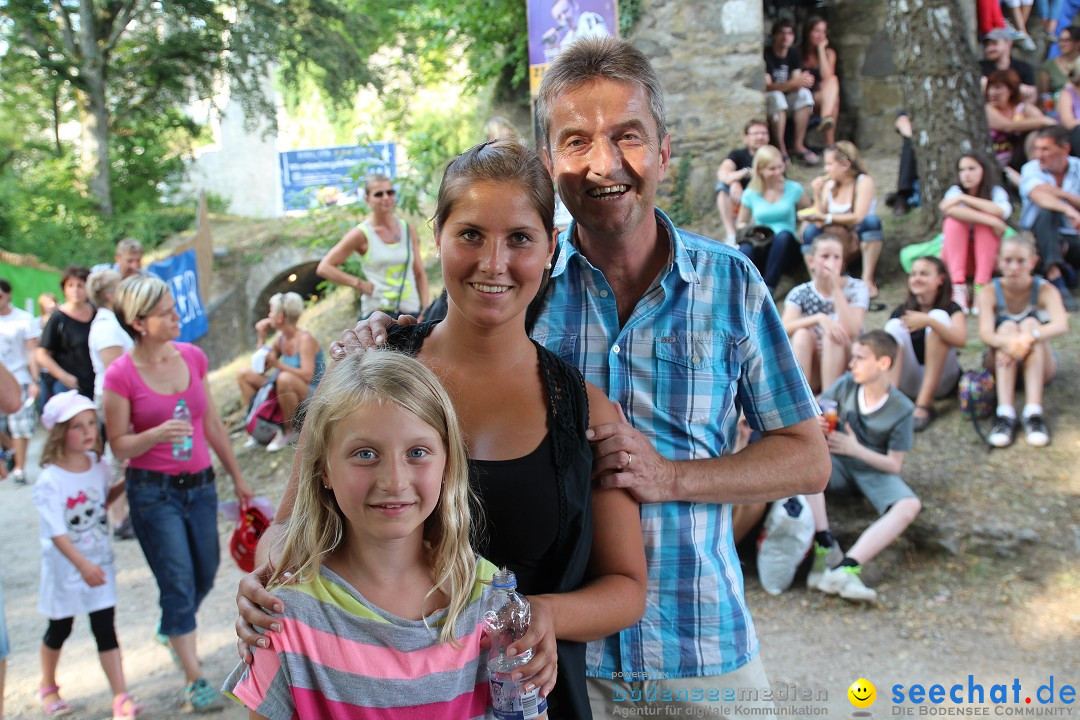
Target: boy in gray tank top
{"type": "Point", "coordinates": [873, 432]}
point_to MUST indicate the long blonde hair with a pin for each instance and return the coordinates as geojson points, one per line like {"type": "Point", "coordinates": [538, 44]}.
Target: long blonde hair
{"type": "Point", "coordinates": [764, 155]}
{"type": "Point", "coordinates": [317, 526]}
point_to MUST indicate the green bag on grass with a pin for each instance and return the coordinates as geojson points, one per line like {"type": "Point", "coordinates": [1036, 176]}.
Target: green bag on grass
{"type": "Point", "coordinates": [910, 253]}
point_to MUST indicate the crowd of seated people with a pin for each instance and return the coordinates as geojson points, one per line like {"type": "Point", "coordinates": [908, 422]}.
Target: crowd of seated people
{"type": "Point", "coordinates": [1013, 270]}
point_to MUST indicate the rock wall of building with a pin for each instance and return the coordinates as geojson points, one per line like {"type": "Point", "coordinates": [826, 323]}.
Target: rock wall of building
{"type": "Point", "coordinates": [708, 56]}
{"type": "Point", "coordinates": [870, 90]}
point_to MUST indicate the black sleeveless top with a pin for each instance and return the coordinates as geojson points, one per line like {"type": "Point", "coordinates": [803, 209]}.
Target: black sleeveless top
{"type": "Point", "coordinates": [537, 509]}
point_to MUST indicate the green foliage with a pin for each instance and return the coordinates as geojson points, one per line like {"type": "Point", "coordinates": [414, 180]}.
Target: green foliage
{"type": "Point", "coordinates": [217, 203]}
{"type": "Point", "coordinates": [629, 14]}
{"type": "Point", "coordinates": [679, 211]}
{"type": "Point", "coordinates": [489, 35]}
{"type": "Point", "coordinates": [42, 213]}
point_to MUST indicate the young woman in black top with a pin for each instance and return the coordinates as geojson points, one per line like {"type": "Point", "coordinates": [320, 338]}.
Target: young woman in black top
{"type": "Point", "coordinates": [929, 327]}
{"type": "Point", "coordinates": [576, 549]}
{"type": "Point", "coordinates": [64, 349]}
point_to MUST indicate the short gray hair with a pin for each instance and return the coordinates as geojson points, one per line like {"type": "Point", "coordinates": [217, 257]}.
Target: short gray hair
{"type": "Point", "coordinates": [289, 304]}
{"type": "Point", "coordinates": [596, 58]}
{"type": "Point", "coordinates": [129, 246]}
{"type": "Point", "coordinates": [372, 178]}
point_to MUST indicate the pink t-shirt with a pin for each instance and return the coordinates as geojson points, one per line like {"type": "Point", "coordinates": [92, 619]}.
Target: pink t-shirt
{"type": "Point", "coordinates": [149, 409]}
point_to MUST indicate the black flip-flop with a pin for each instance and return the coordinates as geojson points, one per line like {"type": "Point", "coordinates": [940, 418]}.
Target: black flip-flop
{"type": "Point", "coordinates": [921, 423]}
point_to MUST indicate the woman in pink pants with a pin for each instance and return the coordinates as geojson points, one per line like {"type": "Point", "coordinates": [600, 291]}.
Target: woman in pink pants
{"type": "Point", "coordinates": [975, 212]}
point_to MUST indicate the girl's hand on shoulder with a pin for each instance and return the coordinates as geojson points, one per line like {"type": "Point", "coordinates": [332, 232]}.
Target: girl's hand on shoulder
{"type": "Point", "coordinates": [92, 574]}
{"type": "Point", "coordinates": [542, 670]}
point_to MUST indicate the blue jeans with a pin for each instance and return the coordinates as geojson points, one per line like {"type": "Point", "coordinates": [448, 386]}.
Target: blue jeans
{"type": "Point", "coordinates": [177, 530]}
{"type": "Point", "coordinates": [773, 261]}
{"type": "Point", "coordinates": [869, 230]}
{"type": "Point", "coordinates": [5, 645]}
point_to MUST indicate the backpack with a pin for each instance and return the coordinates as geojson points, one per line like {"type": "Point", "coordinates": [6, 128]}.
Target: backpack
{"type": "Point", "coordinates": [264, 416]}
{"type": "Point", "coordinates": [253, 523]}
{"type": "Point", "coordinates": [978, 397]}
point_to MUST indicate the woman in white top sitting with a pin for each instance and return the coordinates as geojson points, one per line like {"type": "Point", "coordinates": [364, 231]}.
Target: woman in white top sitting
{"type": "Point", "coordinates": [395, 281]}
{"type": "Point", "coordinates": [845, 195]}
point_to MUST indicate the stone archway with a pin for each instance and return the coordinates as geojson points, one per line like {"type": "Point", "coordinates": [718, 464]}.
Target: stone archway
{"type": "Point", "coordinates": [298, 278]}
{"type": "Point", "coordinates": [272, 275]}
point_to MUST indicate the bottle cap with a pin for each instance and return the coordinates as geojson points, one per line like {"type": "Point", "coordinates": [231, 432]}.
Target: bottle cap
{"type": "Point", "coordinates": [504, 579]}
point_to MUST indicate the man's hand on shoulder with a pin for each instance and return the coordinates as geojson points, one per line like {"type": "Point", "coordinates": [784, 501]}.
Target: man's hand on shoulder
{"type": "Point", "coordinates": [624, 458]}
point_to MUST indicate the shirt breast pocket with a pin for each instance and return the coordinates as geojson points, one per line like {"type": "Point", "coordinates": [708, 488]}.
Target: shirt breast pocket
{"type": "Point", "coordinates": [696, 376]}
{"type": "Point", "coordinates": [565, 346]}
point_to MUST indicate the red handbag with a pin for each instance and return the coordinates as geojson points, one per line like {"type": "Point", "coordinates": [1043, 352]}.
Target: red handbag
{"type": "Point", "coordinates": [245, 538]}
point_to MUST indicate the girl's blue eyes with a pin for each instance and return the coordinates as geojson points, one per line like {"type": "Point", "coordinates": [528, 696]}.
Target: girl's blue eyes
{"type": "Point", "coordinates": [414, 454]}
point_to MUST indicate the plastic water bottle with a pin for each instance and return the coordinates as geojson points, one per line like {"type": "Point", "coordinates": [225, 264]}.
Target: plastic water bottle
{"type": "Point", "coordinates": [181, 449]}
{"type": "Point", "coordinates": [506, 618]}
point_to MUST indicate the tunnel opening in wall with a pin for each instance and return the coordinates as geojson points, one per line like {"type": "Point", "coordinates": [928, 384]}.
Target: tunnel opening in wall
{"type": "Point", "coordinates": [300, 279]}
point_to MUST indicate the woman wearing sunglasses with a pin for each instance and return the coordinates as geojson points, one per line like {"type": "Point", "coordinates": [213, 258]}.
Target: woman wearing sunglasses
{"type": "Point", "coordinates": [394, 278]}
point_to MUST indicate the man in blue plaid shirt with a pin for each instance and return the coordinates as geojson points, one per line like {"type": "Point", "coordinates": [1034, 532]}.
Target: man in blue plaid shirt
{"type": "Point", "coordinates": [682, 334]}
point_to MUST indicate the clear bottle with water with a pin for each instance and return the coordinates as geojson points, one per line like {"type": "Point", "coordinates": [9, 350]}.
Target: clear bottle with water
{"type": "Point", "coordinates": [506, 618]}
{"type": "Point", "coordinates": [181, 449]}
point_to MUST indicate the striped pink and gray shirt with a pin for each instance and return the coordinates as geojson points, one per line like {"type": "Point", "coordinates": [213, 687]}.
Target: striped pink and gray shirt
{"type": "Point", "coordinates": [340, 657]}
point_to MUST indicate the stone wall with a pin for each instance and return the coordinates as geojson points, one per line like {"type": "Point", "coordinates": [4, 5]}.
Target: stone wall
{"type": "Point", "coordinates": [870, 90]}
{"type": "Point", "coordinates": [708, 56]}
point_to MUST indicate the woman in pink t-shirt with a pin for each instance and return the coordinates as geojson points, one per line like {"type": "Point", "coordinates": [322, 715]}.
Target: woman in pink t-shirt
{"type": "Point", "coordinates": [173, 498]}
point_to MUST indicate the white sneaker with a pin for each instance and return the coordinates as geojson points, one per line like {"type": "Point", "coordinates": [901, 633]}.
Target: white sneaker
{"type": "Point", "coordinates": [250, 442]}
{"type": "Point", "coordinates": [960, 297]}
{"type": "Point", "coordinates": [279, 441]}
{"type": "Point", "coordinates": [789, 529]}
{"type": "Point", "coordinates": [844, 581]}
{"type": "Point", "coordinates": [1035, 431]}
{"type": "Point", "coordinates": [824, 558]}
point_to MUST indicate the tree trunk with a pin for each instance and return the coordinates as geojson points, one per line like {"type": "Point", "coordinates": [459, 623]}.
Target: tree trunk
{"type": "Point", "coordinates": [940, 79]}
{"type": "Point", "coordinates": [95, 111]}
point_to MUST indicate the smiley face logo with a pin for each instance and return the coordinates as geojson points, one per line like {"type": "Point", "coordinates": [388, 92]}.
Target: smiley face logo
{"type": "Point", "coordinates": [862, 693]}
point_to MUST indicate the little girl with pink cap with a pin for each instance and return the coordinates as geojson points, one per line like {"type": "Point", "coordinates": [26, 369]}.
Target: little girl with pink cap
{"type": "Point", "coordinates": [77, 572]}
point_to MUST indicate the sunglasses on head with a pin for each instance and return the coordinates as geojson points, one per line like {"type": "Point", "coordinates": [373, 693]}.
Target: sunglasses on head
{"type": "Point", "coordinates": [378, 194]}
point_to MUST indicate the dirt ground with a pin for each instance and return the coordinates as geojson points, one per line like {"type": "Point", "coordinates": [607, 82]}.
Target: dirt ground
{"type": "Point", "coordinates": [151, 676]}
{"type": "Point", "coordinates": [986, 583]}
